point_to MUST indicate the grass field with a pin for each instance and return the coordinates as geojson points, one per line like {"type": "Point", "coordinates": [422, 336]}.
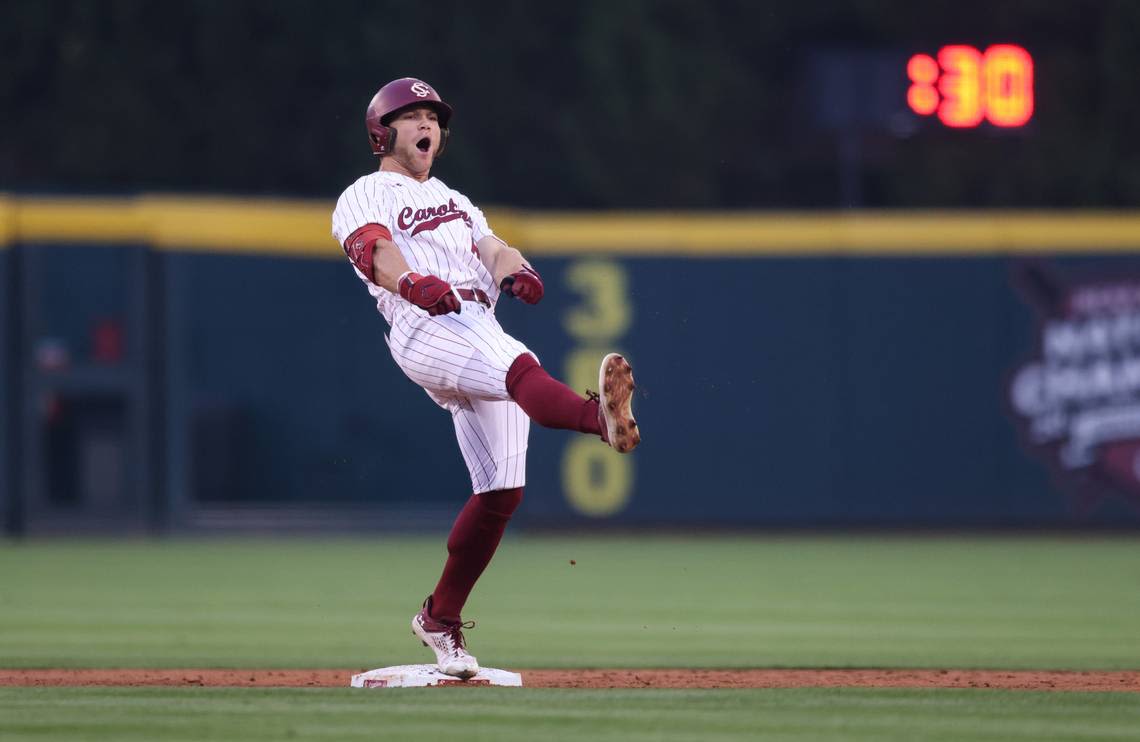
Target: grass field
{"type": "Point", "coordinates": [527, 715]}
{"type": "Point", "coordinates": [1049, 603]}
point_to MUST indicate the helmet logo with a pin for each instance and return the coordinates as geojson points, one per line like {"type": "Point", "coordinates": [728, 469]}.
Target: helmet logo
{"type": "Point", "coordinates": [421, 89]}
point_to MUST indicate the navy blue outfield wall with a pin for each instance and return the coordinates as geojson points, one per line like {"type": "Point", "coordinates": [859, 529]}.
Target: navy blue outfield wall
{"type": "Point", "coordinates": [8, 393]}
{"type": "Point", "coordinates": [774, 392]}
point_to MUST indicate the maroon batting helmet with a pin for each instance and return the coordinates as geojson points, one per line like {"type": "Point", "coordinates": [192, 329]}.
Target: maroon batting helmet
{"type": "Point", "coordinates": [390, 100]}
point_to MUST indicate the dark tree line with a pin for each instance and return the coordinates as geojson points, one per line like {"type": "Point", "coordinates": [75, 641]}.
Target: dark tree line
{"type": "Point", "coordinates": [595, 104]}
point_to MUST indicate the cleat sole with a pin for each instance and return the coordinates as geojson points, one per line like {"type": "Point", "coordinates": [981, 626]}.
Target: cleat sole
{"type": "Point", "coordinates": [615, 378]}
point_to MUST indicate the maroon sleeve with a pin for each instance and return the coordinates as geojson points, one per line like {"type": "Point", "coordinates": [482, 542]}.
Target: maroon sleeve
{"type": "Point", "coordinates": [358, 247]}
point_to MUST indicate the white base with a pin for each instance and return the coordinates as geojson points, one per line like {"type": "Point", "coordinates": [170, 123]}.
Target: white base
{"type": "Point", "coordinates": [421, 676]}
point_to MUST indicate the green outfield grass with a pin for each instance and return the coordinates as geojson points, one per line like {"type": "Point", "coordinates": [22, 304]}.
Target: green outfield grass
{"type": "Point", "coordinates": [525, 715]}
{"type": "Point", "coordinates": [1051, 603]}
{"type": "Point", "coordinates": [761, 601]}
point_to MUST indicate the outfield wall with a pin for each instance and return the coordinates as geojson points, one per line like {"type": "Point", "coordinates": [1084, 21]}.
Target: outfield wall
{"type": "Point", "coordinates": [9, 391]}
{"type": "Point", "coordinates": [796, 370]}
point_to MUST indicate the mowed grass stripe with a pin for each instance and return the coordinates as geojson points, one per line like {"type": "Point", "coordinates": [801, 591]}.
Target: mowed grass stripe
{"type": "Point", "coordinates": [1017, 603]}
{"type": "Point", "coordinates": [499, 714]}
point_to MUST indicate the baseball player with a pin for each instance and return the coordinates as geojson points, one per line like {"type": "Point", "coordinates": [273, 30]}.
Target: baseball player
{"type": "Point", "coordinates": [436, 270]}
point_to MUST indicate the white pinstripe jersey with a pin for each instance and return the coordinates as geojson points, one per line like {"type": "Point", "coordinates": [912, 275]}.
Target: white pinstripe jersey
{"type": "Point", "coordinates": [459, 359]}
{"type": "Point", "coordinates": [435, 227]}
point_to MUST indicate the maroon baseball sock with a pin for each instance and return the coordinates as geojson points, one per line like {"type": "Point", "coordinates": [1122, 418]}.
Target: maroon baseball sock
{"type": "Point", "coordinates": [547, 401]}
{"type": "Point", "coordinates": [472, 543]}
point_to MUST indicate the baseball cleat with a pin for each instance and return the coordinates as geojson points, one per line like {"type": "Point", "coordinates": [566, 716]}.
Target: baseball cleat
{"type": "Point", "coordinates": [446, 640]}
{"type": "Point", "coordinates": [615, 404]}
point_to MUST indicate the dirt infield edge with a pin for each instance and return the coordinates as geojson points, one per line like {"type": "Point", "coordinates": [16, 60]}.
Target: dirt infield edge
{"type": "Point", "coordinates": [1128, 681]}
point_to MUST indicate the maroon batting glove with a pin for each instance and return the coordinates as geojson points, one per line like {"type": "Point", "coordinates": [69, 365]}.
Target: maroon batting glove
{"type": "Point", "coordinates": [429, 292]}
{"type": "Point", "coordinates": [525, 284]}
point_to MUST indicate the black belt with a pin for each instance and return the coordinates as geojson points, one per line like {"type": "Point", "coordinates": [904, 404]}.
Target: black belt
{"type": "Point", "coordinates": [478, 295]}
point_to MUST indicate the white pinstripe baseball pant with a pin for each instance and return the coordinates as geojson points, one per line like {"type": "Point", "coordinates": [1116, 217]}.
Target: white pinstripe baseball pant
{"type": "Point", "coordinates": [461, 361]}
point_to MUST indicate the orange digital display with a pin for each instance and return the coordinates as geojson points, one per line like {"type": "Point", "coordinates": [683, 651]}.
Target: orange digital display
{"type": "Point", "coordinates": [965, 86]}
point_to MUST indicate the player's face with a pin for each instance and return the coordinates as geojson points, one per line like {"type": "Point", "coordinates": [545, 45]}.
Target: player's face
{"type": "Point", "coordinates": [417, 139]}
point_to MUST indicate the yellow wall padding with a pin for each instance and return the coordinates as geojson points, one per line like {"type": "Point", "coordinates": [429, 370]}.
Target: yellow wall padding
{"type": "Point", "coordinates": [301, 228]}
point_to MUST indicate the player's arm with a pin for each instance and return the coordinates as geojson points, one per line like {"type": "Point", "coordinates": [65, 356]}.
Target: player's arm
{"type": "Point", "coordinates": [372, 251]}
{"type": "Point", "coordinates": [510, 270]}
{"type": "Point", "coordinates": [500, 259]}
{"type": "Point", "coordinates": [388, 265]}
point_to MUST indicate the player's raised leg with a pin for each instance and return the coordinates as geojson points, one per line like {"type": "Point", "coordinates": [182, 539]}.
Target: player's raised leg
{"type": "Point", "coordinates": [552, 404]}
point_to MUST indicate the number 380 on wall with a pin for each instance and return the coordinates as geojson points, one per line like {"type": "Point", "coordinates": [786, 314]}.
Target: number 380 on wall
{"type": "Point", "coordinates": [965, 86]}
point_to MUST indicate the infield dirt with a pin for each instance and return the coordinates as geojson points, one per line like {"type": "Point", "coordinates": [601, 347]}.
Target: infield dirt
{"type": "Point", "coordinates": [1128, 681]}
